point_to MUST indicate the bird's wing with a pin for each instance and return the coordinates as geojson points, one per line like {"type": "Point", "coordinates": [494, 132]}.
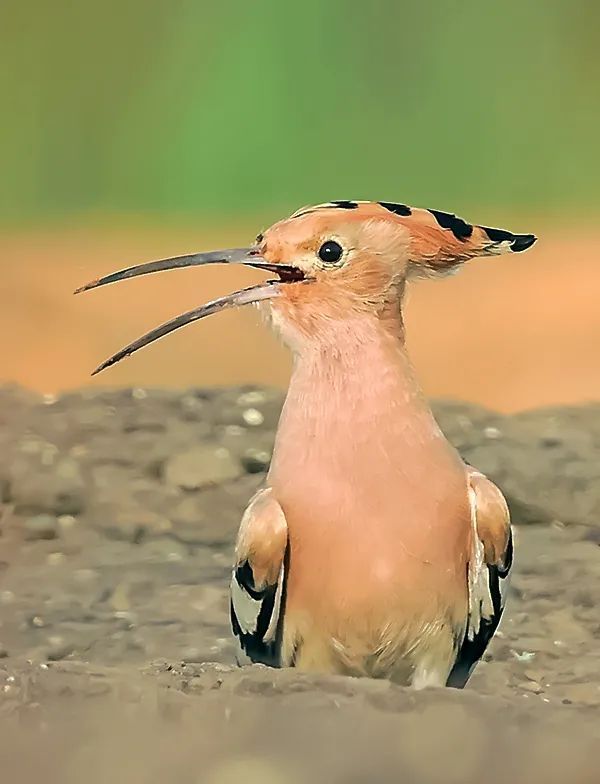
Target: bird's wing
{"type": "Point", "coordinates": [488, 573]}
{"type": "Point", "coordinates": [258, 579]}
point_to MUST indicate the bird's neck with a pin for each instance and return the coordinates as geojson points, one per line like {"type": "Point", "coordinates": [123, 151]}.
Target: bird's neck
{"type": "Point", "coordinates": [353, 398]}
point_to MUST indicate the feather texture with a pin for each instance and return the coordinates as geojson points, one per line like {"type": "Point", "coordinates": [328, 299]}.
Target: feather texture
{"type": "Point", "coordinates": [258, 580]}
{"type": "Point", "coordinates": [488, 573]}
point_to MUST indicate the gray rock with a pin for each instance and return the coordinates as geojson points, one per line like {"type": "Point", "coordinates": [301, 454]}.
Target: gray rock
{"type": "Point", "coordinates": [203, 465]}
{"type": "Point", "coordinates": [188, 512]}
{"type": "Point", "coordinates": [133, 523]}
{"type": "Point", "coordinates": [43, 482]}
{"type": "Point", "coordinates": [256, 461]}
{"type": "Point", "coordinates": [194, 408]}
{"type": "Point", "coordinates": [212, 517]}
{"type": "Point", "coordinates": [193, 655]}
{"type": "Point", "coordinates": [42, 526]}
{"type": "Point", "coordinates": [58, 648]}
{"type": "Point", "coordinates": [547, 462]}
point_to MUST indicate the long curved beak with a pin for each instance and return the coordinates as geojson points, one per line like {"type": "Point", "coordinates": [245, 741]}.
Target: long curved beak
{"type": "Point", "coordinates": [248, 256]}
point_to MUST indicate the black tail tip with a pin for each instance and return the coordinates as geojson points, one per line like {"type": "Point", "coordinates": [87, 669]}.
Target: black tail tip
{"type": "Point", "coordinates": [522, 242]}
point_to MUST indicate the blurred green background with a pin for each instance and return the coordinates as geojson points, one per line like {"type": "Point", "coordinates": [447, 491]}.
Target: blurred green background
{"type": "Point", "coordinates": [242, 108]}
{"type": "Point", "coordinates": [145, 128]}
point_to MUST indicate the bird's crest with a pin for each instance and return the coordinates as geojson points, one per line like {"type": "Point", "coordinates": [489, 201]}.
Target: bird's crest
{"type": "Point", "coordinates": [438, 240]}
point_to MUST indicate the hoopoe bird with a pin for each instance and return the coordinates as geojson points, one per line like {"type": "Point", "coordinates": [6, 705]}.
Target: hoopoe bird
{"type": "Point", "coordinates": [372, 549]}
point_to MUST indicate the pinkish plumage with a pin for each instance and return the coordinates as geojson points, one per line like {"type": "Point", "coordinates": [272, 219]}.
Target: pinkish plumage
{"type": "Point", "coordinates": [373, 549]}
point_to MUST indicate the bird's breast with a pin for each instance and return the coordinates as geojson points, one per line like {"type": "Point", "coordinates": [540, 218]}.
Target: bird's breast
{"type": "Point", "coordinates": [376, 505]}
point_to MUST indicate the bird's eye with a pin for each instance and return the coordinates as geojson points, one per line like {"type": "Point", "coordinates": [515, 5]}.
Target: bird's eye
{"type": "Point", "coordinates": [330, 252]}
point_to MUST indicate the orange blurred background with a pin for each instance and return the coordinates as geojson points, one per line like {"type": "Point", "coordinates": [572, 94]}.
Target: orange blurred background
{"type": "Point", "coordinates": [511, 332]}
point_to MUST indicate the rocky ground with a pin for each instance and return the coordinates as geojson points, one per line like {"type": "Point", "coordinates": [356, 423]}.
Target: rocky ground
{"type": "Point", "coordinates": [117, 517]}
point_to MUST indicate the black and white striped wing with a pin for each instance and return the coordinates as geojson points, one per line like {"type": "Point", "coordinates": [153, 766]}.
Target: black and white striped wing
{"type": "Point", "coordinates": [488, 574]}
{"type": "Point", "coordinates": [255, 616]}
{"type": "Point", "coordinates": [257, 589]}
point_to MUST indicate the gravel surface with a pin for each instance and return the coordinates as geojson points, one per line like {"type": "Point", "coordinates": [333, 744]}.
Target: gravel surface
{"type": "Point", "coordinates": [118, 511]}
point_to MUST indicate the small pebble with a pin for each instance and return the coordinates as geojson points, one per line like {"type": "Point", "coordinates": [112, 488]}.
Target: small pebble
{"type": "Point", "coordinates": [492, 433]}
{"type": "Point", "coordinates": [7, 597]}
{"type": "Point", "coordinates": [192, 655]}
{"type": "Point", "coordinates": [524, 656]}
{"type": "Point", "coordinates": [550, 442]}
{"type": "Point", "coordinates": [139, 394]}
{"type": "Point", "coordinates": [256, 460]}
{"type": "Point", "coordinates": [253, 417]}
{"type": "Point", "coordinates": [534, 675]}
{"type": "Point", "coordinates": [252, 398]}
{"type": "Point", "coordinates": [532, 686]}
{"type": "Point", "coordinates": [42, 526]}
{"type": "Point", "coordinates": [125, 615]}
{"type": "Point", "coordinates": [191, 407]}
{"type": "Point", "coordinates": [202, 465]}
{"type": "Point", "coordinates": [59, 649]}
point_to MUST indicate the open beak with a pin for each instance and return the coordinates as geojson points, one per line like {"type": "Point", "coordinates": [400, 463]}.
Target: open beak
{"type": "Point", "coordinates": [248, 256]}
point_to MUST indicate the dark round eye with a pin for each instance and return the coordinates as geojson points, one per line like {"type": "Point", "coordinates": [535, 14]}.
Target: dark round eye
{"type": "Point", "coordinates": [330, 251]}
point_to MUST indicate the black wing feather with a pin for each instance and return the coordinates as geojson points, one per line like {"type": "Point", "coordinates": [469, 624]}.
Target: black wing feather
{"type": "Point", "coordinates": [472, 649]}
{"type": "Point", "coordinates": [252, 636]}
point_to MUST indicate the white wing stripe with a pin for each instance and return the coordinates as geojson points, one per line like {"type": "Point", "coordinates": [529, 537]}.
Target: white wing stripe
{"type": "Point", "coordinates": [246, 608]}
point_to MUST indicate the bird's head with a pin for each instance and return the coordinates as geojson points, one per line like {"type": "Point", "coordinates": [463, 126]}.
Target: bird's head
{"type": "Point", "coordinates": [334, 263]}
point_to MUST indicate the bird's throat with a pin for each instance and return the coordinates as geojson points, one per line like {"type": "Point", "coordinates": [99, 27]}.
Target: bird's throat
{"type": "Point", "coordinates": [353, 403]}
